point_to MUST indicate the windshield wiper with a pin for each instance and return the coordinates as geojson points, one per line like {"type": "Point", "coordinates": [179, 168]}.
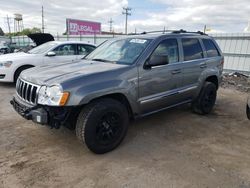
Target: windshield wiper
{"type": "Point", "coordinates": [103, 60]}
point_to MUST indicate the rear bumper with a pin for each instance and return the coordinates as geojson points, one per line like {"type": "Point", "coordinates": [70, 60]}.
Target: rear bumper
{"type": "Point", "coordinates": [45, 115]}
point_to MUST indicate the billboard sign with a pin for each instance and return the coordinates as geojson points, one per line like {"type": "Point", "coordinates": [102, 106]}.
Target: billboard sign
{"type": "Point", "coordinates": [82, 27]}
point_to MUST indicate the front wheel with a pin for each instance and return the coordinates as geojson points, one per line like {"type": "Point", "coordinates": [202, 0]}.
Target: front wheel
{"type": "Point", "coordinates": [102, 125]}
{"type": "Point", "coordinates": [205, 101]}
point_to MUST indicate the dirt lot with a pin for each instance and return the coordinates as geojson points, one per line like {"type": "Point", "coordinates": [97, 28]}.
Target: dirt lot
{"type": "Point", "coordinates": [172, 149]}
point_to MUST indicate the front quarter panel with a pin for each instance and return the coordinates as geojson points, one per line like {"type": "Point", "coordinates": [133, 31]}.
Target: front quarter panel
{"type": "Point", "coordinates": [122, 81]}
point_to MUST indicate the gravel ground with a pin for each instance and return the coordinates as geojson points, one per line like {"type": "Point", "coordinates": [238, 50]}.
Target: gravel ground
{"type": "Point", "coordinates": [236, 81]}
{"type": "Point", "coordinates": [171, 149]}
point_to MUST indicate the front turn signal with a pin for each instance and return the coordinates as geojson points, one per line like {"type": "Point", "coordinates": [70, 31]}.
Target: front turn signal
{"type": "Point", "coordinates": [64, 98]}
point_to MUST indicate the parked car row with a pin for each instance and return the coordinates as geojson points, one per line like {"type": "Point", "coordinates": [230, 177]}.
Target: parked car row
{"type": "Point", "coordinates": [4, 49]}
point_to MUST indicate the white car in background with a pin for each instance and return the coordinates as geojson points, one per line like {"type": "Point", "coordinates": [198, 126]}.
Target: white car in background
{"type": "Point", "coordinates": [11, 65]}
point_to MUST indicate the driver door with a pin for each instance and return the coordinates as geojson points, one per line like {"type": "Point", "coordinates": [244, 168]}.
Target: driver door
{"type": "Point", "coordinates": [65, 53]}
{"type": "Point", "coordinates": [158, 86]}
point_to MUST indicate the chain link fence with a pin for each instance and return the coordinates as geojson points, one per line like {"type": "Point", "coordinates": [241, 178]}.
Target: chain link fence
{"type": "Point", "coordinates": [22, 41]}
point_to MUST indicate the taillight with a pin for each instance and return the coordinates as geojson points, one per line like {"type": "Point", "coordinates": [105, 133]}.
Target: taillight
{"type": "Point", "coordinates": [222, 62]}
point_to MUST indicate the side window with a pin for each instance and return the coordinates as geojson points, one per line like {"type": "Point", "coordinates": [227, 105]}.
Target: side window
{"type": "Point", "coordinates": [84, 49]}
{"type": "Point", "coordinates": [65, 49]}
{"type": "Point", "coordinates": [192, 49]}
{"type": "Point", "coordinates": [210, 48]}
{"type": "Point", "coordinates": [168, 47]}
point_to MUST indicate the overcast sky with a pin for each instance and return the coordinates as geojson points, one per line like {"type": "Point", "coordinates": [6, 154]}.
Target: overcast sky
{"type": "Point", "coordinates": [218, 15]}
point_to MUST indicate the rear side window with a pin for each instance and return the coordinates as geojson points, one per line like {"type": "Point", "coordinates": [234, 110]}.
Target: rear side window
{"type": "Point", "coordinates": [210, 48]}
{"type": "Point", "coordinates": [168, 47]}
{"type": "Point", "coordinates": [84, 49]}
{"type": "Point", "coordinates": [65, 49]}
{"type": "Point", "coordinates": [192, 49]}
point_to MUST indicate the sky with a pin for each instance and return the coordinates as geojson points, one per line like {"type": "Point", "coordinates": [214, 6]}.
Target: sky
{"type": "Point", "coordinates": [219, 15]}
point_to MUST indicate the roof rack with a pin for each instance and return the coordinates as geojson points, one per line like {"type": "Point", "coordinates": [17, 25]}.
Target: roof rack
{"type": "Point", "coordinates": [175, 32]}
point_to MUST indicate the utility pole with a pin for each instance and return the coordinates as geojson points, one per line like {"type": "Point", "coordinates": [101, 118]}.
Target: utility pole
{"type": "Point", "coordinates": [8, 22]}
{"type": "Point", "coordinates": [205, 29]}
{"type": "Point", "coordinates": [42, 21]}
{"type": "Point", "coordinates": [110, 24]}
{"type": "Point", "coordinates": [127, 13]}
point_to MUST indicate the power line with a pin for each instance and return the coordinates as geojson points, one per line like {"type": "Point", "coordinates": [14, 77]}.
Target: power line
{"type": "Point", "coordinates": [110, 24]}
{"type": "Point", "coordinates": [127, 12]}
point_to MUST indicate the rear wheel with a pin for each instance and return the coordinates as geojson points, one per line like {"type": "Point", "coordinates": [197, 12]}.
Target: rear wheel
{"type": "Point", "coordinates": [206, 99]}
{"type": "Point", "coordinates": [102, 125]}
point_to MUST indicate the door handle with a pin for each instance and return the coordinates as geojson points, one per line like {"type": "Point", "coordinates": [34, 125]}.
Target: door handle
{"type": "Point", "coordinates": [203, 65]}
{"type": "Point", "coordinates": [177, 71]}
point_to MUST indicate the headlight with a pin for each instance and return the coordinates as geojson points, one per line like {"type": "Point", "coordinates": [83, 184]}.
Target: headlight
{"type": "Point", "coordinates": [5, 64]}
{"type": "Point", "coordinates": [52, 96]}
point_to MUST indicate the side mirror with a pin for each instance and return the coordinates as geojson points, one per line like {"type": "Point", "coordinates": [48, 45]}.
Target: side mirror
{"type": "Point", "coordinates": [157, 60]}
{"type": "Point", "coordinates": [50, 54]}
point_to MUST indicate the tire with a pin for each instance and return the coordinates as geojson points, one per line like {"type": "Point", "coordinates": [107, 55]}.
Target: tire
{"type": "Point", "coordinates": [248, 112]}
{"type": "Point", "coordinates": [206, 100]}
{"type": "Point", "coordinates": [19, 71]}
{"type": "Point", "coordinates": [102, 125]}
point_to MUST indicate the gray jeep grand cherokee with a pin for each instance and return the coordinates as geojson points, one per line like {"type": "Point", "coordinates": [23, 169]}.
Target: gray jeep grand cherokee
{"type": "Point", "coordinates": [122, 79]}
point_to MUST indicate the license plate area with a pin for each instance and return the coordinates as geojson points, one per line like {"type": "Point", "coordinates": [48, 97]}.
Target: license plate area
{"type": "Point", "coordinates": [20, 109]}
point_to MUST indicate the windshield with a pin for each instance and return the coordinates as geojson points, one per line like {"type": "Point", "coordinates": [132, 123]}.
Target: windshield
{"type": "Point", "coordinates": [121, 51]}
{"type": "Point", "coordinates": [42, 48]}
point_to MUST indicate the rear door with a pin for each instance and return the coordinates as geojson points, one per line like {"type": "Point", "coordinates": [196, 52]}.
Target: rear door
{"type": "Point", "coordinates": [64, 53]}
{"type": "Point", "coordinates": [158, 86]}
{"type": "Point", "coordinates": [83, 50]}
{"type": "Point", "coordinates": [193, 65]}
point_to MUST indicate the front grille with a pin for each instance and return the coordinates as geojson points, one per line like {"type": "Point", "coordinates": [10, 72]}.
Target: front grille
{"type": "Point", "coordinates": [27, 91]}
{"type": "Point", "coordinates": [2, 76]}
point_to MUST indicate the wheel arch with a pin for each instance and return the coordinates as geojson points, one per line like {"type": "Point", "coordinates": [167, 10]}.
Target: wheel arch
{"type": "Point", "coordinates": [213, 79]}
{"type": "Point", "coordinates": [22, 67]}
{"type": "Point", "coordinates": [119, 97]}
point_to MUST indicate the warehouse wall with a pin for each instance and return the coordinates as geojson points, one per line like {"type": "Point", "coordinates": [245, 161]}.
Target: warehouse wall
{"type": "Point", "coordinates": [236, 49]}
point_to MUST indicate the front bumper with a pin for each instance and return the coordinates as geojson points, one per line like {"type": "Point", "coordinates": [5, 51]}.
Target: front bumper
{"type": "Point", "coordinates": [6, 75]}
{"type": "Point", "coordinates": [45, 115]}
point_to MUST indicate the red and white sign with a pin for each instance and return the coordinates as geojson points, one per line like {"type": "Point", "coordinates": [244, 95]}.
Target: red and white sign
{"type": "Point", "coordinates": [82, 27]}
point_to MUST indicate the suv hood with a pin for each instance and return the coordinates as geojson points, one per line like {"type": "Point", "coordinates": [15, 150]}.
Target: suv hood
{"type": "Point", "coordinates": [51, 74]}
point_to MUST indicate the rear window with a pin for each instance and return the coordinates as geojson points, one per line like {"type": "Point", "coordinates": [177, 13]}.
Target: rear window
{"type": "Point", "coordinates": [210, 48]}
{"type": "Point", "coordinates": [192, 49]}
